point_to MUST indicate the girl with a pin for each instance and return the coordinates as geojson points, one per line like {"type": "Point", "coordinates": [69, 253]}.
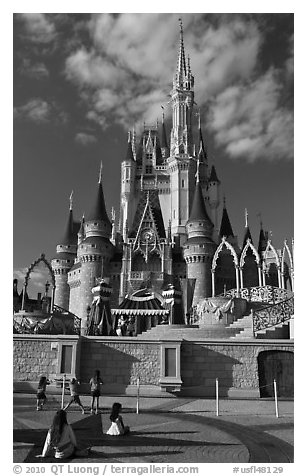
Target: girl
{"type": "Point", "coordinates": [73, 387]}
{"type": "Point", "coordinates": [117, 427]}
{"type": "Point", "coordinates": [95, 383]}
{"type": "Point", "coordinates": [41, 395]}
{"type": "Point", "coordinates": [61, 439]}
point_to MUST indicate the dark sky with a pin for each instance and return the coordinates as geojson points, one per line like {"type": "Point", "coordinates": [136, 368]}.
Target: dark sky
{"type": "Point", "coordinates": [81, 81]}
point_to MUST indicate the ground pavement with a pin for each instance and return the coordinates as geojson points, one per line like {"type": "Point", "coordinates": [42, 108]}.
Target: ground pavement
{"type": "Point", "coordinates": [166, 430]}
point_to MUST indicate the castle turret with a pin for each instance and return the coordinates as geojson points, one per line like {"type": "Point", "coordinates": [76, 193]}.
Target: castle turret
{"type": "Point", "coordinates": [200, 247]}
{"type": "Point", "coordinates": [66, 252]}
{"type": "Point", "coordinates": [127, 187]}
{"type": "Point", "coordinates": [95, 250]}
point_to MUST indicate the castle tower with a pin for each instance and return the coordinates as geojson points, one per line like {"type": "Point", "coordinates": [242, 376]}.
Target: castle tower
{"type": "Point", "coordinates": [66, 252]}
{"type": "Point", "coordinates": [127, 187]}
{"type": "Point", "coordinates": [181, 166]}
{"type": "Point", "coordinates": [95, 251]}
{"type": "Point", "coordinates": [199, 247]}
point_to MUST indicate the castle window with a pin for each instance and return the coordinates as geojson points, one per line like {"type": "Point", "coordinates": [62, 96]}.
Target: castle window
{"type": "Point", "coordinates": [182, 183]}
{"type": "Point", "coordinates": [148, 169]}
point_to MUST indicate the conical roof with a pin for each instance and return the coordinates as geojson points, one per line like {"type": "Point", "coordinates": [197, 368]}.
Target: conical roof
{"type": "Point", "coordinates": [70, 237]}
{"type": "Point", "coordinates": [213, 176]}
{"type": "Point", "coordinates": [198, 210]}
{"type": "Point", "coordinates": [226, 228]}
{"type": "Point", "coordinates": [262, 241]}
{"type": "Point", "coordinates": [98, 211]}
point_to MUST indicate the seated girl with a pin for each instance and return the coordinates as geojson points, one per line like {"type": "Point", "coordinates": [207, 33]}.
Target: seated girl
{"type": "Point", "coordinates": [61, 439]}
{"type": "Point", "coordinates": [117, 426]}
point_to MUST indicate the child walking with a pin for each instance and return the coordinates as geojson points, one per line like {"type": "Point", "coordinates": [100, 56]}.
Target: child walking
{"type": "Point", "coordinates": [95, 383]}
{"type": "Point", "coordinates": [61, 439]}
{"type": "Point", "coordinates": [41, 392]}
{"type": "Point", "coordinates": [74, 393]}
{"type": "Point", "coordinates": [117, 426]}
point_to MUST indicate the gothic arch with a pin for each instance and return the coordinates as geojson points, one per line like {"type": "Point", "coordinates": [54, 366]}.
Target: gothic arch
{"type": "Point", "coordinates": [250, 245]}
{"type": "Point", "coordinates": [285, 250]}
{"type": "Point", "coordinates": [268, 248]}
{"type": "Point", "coordinates": [42, 259]}
{"type": "Point", "coordinates": [229, 247]}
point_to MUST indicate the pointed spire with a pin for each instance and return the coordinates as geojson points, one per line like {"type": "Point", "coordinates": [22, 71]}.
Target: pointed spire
{"type": "Point", "coordinates": [198, 210]}
{"type": "Point", "coordinates": [164, 136]}
{"type": "Point", "coordinates": [100, 173]}
{"type": "Point", "coordinates": [213, 175]}
{"type": "Point", "coordinates": [70, 200]}
{"type": "Point", "coordinates": [129, 155]}
{"type": "Point", "coordinates": [202, 153]}
{"type": "Point", "coordinates": [262, 243]}
{"type": "Point", "coordinates": [226, 228]}
{"type": "Point", "coordinates": [98, 211]}
{"type": "Point", "coordinates": [69, 237]}
{"type": "Point", "coordinates": [197, 172]}
{"type": "Point", "coordinates": [181, 64]}
{"type": "Point", "coordinates": [247, 234]}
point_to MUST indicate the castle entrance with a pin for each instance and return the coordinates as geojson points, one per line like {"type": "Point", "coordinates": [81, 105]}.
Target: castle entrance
{"type": "Point", "coordinates": [278, 365]}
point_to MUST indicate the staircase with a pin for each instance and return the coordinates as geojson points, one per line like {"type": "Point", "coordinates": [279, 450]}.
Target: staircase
{"type": "Point", "coordinates": [191, 333]}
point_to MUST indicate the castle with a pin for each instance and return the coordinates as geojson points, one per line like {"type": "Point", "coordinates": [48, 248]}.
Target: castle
{"type": "Point", "coordinates": [174, 233]}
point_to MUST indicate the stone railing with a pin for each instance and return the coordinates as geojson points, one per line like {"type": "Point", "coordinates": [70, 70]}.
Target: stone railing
{"type": "Point", "coordinates": [272, 315]}
{"type": "Point", "coordinates": [143, 275]}
{"type": "Point", "coordinates": [269, 294]}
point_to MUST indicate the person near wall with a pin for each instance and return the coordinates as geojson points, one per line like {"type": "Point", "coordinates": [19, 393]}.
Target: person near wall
{"type": "Point", "coordinates": [117, 427]}
{"type": "Point", "coordinates": [74, 392]}
{"type": "Point", "coordinates": [95, 384]}
{"type": "Point", "coordinates": [41, 392]}
{"type": "Point", "coordinates": [61, 440]}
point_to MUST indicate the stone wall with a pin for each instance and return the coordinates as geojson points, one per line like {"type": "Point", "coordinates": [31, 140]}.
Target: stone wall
{"type": "Point", "coordinates": [235, 365]}
{"type": "Point", "coordinates": [122, 360]}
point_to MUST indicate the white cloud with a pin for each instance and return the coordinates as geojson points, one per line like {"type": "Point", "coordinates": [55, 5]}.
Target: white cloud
{"type": "Point", "coordinates": [36, 110]}
{"type": "Point", "coordinates": [84, 138]}
{"type": "Point", "coordinates": [38, 28]}
{"type": "Point", "coordinates": [249, 122]}
{"type": "Point", "coordinates": [128, 72]}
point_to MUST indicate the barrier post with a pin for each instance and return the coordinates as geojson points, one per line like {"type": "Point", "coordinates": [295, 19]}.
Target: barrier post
{"type": "Point", "coordinates": [137, 395]}
{"type": "Point", "coordinates": [63, 390]}
{"type": "Point", "coordinates": [217, 395]}
{"type": "Point", "coordinates": [275, 397]}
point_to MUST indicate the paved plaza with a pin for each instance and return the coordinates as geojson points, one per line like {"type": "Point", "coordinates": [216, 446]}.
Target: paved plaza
{"type": "Point", "coordinates": [166, 430]}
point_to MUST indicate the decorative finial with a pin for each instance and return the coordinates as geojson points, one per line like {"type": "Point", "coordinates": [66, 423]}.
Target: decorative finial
{"type": "Point", "coordinates": [224, 201]}
{"type": "Point", "coordinates": [180, 23]}
{"type": "Point", "coordinates": [100, 173]}
{"type": "Point", "coordinates": [113, 214]}
{"type": "Point", "coordinates": [129, 136]}
{"type": "Point", "coordinates": [246, 218]}
{"type": "Point", "coordinates": [197, 172]}
{"type": "Point", "coordinates": [70, 200]}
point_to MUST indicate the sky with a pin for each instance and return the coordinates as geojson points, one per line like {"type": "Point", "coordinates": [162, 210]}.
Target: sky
{"type": "Point", "coordinates": [82, 81]}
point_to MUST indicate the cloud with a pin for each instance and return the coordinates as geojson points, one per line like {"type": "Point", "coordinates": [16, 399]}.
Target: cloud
{"type": "Point", "coordinates": [36, 110]}
{"type": "Point", "coordinates": [36, 70]}
{"type": "Point", "coordinates": [84, 138]}
{"type": "Point", "coordinates": [126, 74]}
{"type": "Point", "coordinates": [37, 27]}
{"type": "Point", "coordinates": [39, 111]}
{"type": "Point", "coordinates": [250, 123]}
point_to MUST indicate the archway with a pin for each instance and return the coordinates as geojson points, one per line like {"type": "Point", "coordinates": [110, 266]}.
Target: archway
{"type": "Point", "coordinates": [43, 260]}
{"type": "Point", "coordinates": [250, 260]}
{"type": "Point", "coordinates": [278, 365]}
{"type": "Point", "coordinates": [230, 248]}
